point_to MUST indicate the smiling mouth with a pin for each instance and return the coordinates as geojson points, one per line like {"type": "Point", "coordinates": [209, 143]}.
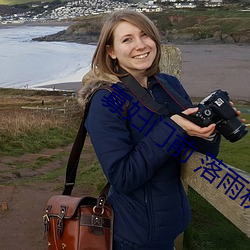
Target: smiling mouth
{"type": "Point", "coordinates": [141, 56]}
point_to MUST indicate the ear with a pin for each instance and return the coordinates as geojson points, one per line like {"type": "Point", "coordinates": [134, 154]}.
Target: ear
{"type": "Point", "coordinates": [110, 52]}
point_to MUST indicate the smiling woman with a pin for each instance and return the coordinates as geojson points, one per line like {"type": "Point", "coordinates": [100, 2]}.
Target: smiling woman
{"type": "Point", "coordinates": [147, 196]}
{"type": "Point", "coordinates": [134, 50]}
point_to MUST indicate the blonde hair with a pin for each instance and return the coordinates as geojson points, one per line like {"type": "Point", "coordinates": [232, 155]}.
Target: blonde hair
{"type": "Point", "coordinates": [103, 62]}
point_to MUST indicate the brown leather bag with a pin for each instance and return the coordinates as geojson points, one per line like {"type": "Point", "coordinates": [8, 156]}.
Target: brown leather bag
{"type": "Point", "coordinates": [82, 223]}
{"type": "Point", "coordinates": [78, 223]}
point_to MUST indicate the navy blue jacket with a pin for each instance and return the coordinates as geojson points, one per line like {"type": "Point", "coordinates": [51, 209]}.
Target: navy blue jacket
{"type": "Point", "coordinates": [150, 205]}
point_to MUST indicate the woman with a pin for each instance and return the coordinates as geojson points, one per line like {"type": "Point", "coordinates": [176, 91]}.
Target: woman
{"type": "Point", "coordinates": [135, 145]}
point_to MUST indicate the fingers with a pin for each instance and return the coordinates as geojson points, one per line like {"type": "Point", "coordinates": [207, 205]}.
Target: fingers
{"type": "Point", "coordinates": [204, 132]}
{"type": "Point", "coordinates": [192, 129]}
{"type": "Point", "coordinates": [238, 112]}
{"type": "Point", "coordinates": [190, 111]}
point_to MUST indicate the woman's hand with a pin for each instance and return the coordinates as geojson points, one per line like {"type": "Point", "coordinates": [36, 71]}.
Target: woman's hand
{"type": "Point", "coordinates": [238, 113]}
{"type": "Point", "coordinates": [191, 128]}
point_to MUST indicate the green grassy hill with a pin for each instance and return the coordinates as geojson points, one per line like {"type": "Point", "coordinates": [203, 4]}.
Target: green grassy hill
{"type": "Point", "coordinates": [12, 2]}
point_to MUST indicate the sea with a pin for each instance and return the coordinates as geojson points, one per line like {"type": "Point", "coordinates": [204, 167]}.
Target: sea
{"type": "Point", "coordinates": [26, 64]}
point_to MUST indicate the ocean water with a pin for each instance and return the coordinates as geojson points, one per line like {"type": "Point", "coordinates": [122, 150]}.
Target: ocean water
{"type": "Point", "coordinates": [27, 64]}
{"type": "Point", "coordinates": [205, 68]}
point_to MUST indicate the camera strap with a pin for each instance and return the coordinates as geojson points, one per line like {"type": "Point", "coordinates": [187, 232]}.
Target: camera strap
{"type": "Point", "coordinates": [180, 100]}
{"type": "Point", "coordinates": [142, 95]}
{"type": "Point", "coordinates": [145, 98]}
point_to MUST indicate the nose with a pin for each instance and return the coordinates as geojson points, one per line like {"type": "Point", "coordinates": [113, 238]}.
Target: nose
{"type": "Point", "coordinates": [139, 44]}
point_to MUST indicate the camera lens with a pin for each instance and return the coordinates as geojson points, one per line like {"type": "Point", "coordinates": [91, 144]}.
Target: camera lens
{"type": "Point", "coordinates": [233, 130]}
{"type": "Point", "coordinates": [238, 133]}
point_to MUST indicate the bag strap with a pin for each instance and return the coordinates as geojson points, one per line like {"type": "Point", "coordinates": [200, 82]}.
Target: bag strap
{"type": "Point", "coordinates": [75, 154]}
{"type": "Point", "coordinates": [74, 158]}
{"type": "Point", "coordinates": [145, 98]}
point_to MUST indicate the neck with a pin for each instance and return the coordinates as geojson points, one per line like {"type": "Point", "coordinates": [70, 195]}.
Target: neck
{"type": "Point", "coordinates": [143, 80]}
{"type": "Point", "coordinates": [139, 76]}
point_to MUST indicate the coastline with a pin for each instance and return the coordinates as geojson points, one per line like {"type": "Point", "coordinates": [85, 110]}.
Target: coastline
{"type": "Point", "coordinates": [62, 86]}
{"type": "Point", "coordinates": [38, 23]}
{"type": "Point", "coordinates": [205, 68]}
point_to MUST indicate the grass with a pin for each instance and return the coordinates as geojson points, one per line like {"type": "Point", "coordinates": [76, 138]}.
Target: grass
{"type": "Point", "coordinates": [31, 133]}
{"type": "Point", "coordinates": [13, 2]}
{"type": "Point", "coordinates": [218, 13]}
{"type": "Point", "coordinates": [23, 131]}
{"type": "Point", "coordinates": [210, 230]}
{"type": "Point", "coordinates": [26, 132]}
{"type": "Point", "coordinates": [237, 153]}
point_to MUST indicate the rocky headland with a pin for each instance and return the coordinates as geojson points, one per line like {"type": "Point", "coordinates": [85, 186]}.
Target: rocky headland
{"type": "Point", "coordinates": [173, 28]}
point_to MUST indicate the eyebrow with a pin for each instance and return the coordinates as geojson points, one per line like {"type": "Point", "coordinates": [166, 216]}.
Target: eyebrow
{"type": "Point", "coordinates": [129, 34]}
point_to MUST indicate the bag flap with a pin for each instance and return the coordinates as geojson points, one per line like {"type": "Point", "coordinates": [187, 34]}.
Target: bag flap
{"type": "Point", "coordinates": [68, 203]}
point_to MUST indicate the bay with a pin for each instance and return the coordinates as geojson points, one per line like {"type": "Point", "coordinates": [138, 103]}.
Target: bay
{"type": "Point", "coordinates": [27, 64]}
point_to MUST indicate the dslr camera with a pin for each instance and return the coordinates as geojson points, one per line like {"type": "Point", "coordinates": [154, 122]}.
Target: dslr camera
{"type": "Point", "coordinates": [216, 108]}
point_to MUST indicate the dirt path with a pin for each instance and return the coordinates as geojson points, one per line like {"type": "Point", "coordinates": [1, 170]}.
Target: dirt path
{"type": "Point", "coordinates": [21, 225]}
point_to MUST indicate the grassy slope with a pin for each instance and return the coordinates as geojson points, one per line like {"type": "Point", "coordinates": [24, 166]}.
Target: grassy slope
{"type": "Point", "coordinates": [12, 2]}
{"type": "Point", "coordinates": [209, 230]}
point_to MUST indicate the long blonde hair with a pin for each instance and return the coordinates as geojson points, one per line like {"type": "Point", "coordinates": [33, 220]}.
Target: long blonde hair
{"type": "Point", "coordinates": [103, 62]}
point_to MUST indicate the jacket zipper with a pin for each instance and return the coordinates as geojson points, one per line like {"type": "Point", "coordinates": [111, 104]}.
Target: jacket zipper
{"type": "Point", "coordinates": [151, 93]}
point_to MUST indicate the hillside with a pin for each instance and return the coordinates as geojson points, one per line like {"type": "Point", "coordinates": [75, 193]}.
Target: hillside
{"type": "Point", "coordinates": [13, 2]}
{"type": "Point", "coordinates": [173, 26]}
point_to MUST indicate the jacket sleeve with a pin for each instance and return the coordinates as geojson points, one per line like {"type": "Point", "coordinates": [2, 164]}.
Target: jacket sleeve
{"type": "Point", "coordinates": [125, 165]}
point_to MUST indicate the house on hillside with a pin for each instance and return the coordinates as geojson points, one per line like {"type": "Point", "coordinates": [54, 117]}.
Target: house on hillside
{"type": "Point", "coordinates": [184, 5]}
{"type": "Point", "coordinates": [213, 3]}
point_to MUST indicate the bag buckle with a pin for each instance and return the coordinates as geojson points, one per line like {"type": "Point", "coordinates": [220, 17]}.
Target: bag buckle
{"type": "Point", "coordinates": [46, 221]}
{"type": "Point", "coordinates": [95, 212]}
{"type": "Point", "coordinates": [59, 224]}
{"type": "Point", "coordinates": [96, 221]}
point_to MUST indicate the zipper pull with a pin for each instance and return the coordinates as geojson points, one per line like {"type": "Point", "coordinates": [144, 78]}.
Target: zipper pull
{"type": "Point", "coordinates": [151, 93]}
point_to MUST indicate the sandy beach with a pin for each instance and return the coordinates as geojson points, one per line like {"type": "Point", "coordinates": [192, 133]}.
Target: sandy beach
{"type": "Point", "coordinates": [209, 67]}
{"type": "Point", "coordinates": [206, 68]}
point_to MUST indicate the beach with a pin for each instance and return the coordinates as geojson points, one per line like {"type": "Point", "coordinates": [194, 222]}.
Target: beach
{"type": "Point", "coordinates": [61, 65]}
{"type": "Point", "coordinates": [206, 68]}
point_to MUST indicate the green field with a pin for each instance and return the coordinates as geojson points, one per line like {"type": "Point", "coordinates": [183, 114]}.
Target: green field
{"type": "Point", "coordinates": [13, 2]}
{"type": "Point", "coordinates": [22, 132]}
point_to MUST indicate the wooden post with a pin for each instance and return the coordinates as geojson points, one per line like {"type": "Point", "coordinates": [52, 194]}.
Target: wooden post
{"type": "Point", "coordinates": [170, 63]}
{"type": "Point", "coordinates": [217, 193]}
{"type": "Point", "coordinates": [171, 60]}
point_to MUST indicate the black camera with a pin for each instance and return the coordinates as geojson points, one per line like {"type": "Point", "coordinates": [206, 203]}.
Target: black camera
{"type": "Point", "coordinates": [216, 109]}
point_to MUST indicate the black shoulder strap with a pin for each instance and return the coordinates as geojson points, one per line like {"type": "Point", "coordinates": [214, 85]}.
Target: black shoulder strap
{"type": "Point", "coordinates": [74, 158]}
{"type": "Point", "coordinates": [75, 153]}
{"type": "Point", "coordinates": [181, 101]}
{"type": "Point", "coordinates": [145, 98]}
{"type": "Point", "coordinates": [142, 95]}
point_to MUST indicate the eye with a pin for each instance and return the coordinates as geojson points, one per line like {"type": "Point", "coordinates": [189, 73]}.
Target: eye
{"type": "Point", "coordinates": [127, 40]}
{"type": "Point", "coordinates": [144, 34]}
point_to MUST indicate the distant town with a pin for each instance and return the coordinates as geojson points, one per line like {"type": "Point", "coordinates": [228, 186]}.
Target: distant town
{"type": "Point", "coordinates": [61, 11]}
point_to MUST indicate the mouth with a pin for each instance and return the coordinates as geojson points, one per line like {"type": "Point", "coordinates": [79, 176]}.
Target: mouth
{"type": "Point", "coordinates": [141, 56]}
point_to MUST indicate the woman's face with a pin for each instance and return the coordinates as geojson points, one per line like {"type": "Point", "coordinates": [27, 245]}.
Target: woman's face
{"type": "Point", "coordinates": [134, 50]}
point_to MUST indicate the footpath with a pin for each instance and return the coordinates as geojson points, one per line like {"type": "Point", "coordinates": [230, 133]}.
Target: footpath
{"type": "Point", "coordinates": [23, 196]}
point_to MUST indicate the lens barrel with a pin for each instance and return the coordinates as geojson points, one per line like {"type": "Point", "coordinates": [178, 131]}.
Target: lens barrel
{"type": "Point", "coordinates": [233, 130]}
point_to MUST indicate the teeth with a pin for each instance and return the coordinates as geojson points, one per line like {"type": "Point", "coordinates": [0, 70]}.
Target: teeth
{"type": "Point", "coordinates": [141, 56]}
